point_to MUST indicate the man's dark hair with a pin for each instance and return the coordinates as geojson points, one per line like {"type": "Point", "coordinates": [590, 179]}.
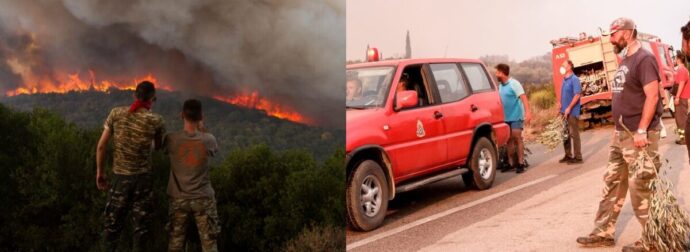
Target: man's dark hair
{"type": "Point", "coordinates": [685, 30]}
{"type": "Point", "coordinates": [634, 33]}
{"type": "Point", "coordinates": [145, 91]}
{"type": "Point", "coordinates": [680, 55]}
{"type": "Point", "coordinates": [572, 67]}
{"type": "Point", "coordinates": [192, 110]}
{"type": "Point", "coordinates": [503, 68]}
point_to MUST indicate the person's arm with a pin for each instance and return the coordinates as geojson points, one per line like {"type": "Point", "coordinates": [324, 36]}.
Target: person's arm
{"type": "Point", "coordinates": [572, 104]}
{"type": "Point", "coordinates": [576, 96]}
{"type": "Point", "coordinates": [525, 103]}
{"type": "Point", "coordinates": [651, 91]}
{"type": "Point", "coordinates": [520, 93]}
{"type": "Point", "coordinates": [664, 96]}
{"type": "Point", "coordinates": [158, 138]}
{"type": "Point", "coordinates": [681, 84]}
{"type": "Point", "coordinates": [101, 178]}
{"type": "Point", "coordinates": [201, 127]}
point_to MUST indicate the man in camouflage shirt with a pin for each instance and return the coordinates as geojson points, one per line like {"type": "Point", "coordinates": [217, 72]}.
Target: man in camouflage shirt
{"type": "Point", "coordinates": [637, 110]}
{"type": "Point", "coordinates": [189, 186]}
{"type": "Point", "coordinates": [134, 130]}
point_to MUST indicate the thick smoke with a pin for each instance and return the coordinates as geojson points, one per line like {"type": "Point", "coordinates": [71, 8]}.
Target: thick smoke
{"type": "Point", "coordinates": [290, 51]}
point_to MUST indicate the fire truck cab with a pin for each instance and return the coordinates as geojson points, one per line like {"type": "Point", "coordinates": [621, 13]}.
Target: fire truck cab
{"type": "Point", "coordinates": [595, 64]}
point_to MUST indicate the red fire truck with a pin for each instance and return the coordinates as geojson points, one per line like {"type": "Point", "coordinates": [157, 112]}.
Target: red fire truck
{"type": "Point", "coordinates": [595, 63]}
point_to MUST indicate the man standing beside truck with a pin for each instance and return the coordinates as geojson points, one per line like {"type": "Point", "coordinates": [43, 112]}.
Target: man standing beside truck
{"type": "Point", "coordinates": [517, 112]}
{"type": "Point", "coordinates": [569, 107]}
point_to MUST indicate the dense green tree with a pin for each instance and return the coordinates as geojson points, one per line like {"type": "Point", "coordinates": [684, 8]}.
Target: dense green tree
{"type": "Point", "coordinates": [50, 202]}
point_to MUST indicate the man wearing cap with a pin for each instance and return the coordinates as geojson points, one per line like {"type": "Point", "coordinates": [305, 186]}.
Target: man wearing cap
{"type": "Point", "coordinates": [637, 108]}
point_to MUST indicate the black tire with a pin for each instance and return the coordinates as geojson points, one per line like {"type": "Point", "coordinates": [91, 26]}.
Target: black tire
{"type": "Point", "coordinates": [357, 216]}
{"type": "Point", "coordinates": [474, 178]}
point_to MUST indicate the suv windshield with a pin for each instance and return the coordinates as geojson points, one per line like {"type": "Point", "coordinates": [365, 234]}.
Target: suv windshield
{"type": "Point", "coordinates": [367, 87]}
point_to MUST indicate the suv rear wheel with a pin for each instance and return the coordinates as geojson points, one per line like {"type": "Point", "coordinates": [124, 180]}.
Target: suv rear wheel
{"type": "Point", "coordinates": [482, 165]}
{"type": "Point", "coordinates": [366, 196]}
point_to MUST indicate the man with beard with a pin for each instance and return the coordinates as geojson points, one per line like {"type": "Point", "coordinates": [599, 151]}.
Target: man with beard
{"type": "Point", "coordinates": [517, 112]}
{"type": "Point", "coordinates": [636, 106]}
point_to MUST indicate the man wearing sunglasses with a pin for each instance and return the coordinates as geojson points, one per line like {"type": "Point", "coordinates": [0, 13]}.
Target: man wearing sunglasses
{"type": "Point", "coordinates": [636, 107]}
{"type": "Point", "coordinates": [134, 130]}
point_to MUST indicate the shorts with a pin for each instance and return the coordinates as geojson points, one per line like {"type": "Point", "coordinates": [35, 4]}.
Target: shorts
{"type": "Point", "coordinates": [515, 125]}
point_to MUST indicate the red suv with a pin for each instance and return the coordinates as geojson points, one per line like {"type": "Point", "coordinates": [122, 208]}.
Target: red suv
{"type": "Point", "coordinates": [416, 121]}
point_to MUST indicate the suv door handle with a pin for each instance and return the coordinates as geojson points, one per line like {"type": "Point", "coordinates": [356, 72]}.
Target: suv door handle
{"type": "Point", "coordinates": [438, 115]}
{"type": "Point", "coordinates": [473, 108]}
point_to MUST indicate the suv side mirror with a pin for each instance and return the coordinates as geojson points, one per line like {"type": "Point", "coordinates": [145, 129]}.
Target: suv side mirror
{"type": "Point", "coordinates": [406, 99]}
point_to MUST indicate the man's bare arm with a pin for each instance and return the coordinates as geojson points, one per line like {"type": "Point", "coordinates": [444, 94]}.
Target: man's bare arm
{"type": "Point", "coordinates": [101, 181]}
{"type": "Point", "coordinates": [651, 91]}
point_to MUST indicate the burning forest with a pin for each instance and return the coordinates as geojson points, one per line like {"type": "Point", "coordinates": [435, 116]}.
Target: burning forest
{"type": "Point", "coordinates": [221, 49]}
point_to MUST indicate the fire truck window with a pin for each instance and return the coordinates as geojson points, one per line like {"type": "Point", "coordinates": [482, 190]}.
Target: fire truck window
{"type": "Point", "coordinates": [451, 86]}
{"type": "Point", "coordinates": [477, 77]}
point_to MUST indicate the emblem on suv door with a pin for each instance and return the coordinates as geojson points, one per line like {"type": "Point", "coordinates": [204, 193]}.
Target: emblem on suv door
{"type": "Point", "coordinates": [420, 129]}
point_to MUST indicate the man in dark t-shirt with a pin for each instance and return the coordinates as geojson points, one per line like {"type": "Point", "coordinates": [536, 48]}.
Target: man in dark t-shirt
{"type": "Point", "coordinates": [637, 111]}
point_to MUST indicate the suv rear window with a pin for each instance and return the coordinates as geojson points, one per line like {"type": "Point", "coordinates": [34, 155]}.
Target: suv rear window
{"type": "Point", "coordinates": [449, 82]}
{"type": "Point", "coordinates": [477, 77]}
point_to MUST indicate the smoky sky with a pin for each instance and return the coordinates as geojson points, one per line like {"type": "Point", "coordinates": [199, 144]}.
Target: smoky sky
{"type": "Point", "coordinates": [290, 51]}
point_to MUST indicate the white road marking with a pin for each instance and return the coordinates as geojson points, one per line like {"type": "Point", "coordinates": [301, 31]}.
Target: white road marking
{"type": "Point", "coordinates": [442, 214]}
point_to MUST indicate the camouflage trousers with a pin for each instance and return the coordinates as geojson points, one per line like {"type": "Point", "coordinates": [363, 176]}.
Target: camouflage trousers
{"type": "Point", "coordinates": [619, 179]}
{"type": "Point", "coordinates": [133, 195]}
{"type": "Point", "coordinates": [205, 215]}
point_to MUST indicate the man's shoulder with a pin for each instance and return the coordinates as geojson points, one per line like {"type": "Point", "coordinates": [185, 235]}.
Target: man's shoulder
{"type": "Point", "coordinates": [154, 117]}
{"type": "Point", "coordinates": [118, 111]}
{"type": "Point", "coordinates": [208, 136]}
{"type": "Point", "coordinates": [513, 81]}
{"type": "Point", "coordinates": [646, 55]}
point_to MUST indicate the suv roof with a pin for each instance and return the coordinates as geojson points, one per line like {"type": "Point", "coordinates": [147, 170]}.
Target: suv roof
{"type": "Point", "coordinates": [411, 61]}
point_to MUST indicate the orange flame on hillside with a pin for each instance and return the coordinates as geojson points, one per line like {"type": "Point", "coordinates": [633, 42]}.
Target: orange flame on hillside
{"type": "Point", "coordinates": [75, 82]}
{"type": "Point", "coordinates": [254, 100]}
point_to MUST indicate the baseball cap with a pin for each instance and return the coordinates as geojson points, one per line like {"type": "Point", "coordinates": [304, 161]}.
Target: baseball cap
{"type": "Point", "coordinates": [622, 24]}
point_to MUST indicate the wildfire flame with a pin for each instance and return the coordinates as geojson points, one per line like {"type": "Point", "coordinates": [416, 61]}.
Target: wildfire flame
{"type": "Point", "coordinates": [75, 82]}
{"type": "Point", "coordinates": [254, 100]}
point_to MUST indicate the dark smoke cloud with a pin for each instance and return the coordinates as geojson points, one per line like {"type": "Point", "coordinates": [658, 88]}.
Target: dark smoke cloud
{"type": "Point", "coordinates": [291, 51]}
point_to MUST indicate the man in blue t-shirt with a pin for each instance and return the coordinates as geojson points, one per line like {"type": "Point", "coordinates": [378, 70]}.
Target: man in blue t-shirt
{"type": "Point", "coordinates": [569, 107]}
{"type": "Point", "coordinates": [517, 112]}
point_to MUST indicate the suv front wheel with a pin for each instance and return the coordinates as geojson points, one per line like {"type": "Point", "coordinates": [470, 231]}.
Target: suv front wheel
{"type": "Point", "coordinates": [482, 165]}
{"type": "Point", "coordinates": [366, 196]}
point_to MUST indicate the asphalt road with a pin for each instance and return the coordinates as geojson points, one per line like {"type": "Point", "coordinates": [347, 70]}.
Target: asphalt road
{"type": "Point", "coordinates": [544, 209]}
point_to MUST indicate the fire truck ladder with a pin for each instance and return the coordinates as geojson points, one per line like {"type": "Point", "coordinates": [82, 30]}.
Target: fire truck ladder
{"type": "Point", "coordinates": [610, 60]}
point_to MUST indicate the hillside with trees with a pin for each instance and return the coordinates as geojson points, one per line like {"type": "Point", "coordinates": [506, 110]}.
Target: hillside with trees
{"type": "Point", "coordinates": [233, 126]}
{"type": "Point", "coordinates": [267, 200]}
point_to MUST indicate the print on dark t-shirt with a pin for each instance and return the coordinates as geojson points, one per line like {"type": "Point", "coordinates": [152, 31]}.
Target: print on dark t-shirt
{"type": "Point", "coordinates": [634, 72]}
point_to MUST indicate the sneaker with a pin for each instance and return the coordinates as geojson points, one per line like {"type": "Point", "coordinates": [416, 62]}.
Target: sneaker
{"type": "Point", "coordinates": [507, 168]}
{"type": "Point", "coordinates": [575, 161]}
{"type": "Point", "coordinates": [596, 241]}
{"type": "Point", "coordinates": [565, 159]}
{"type": "Point", "coordinates": [520, 169]}
{"type": "Point", "coordinates": [635, 247]}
